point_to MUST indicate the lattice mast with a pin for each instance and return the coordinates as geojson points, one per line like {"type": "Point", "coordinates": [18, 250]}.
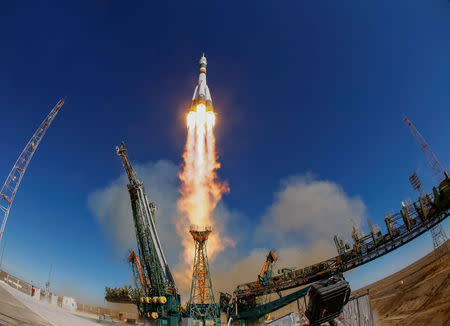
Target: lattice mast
{"type": "Point", "coordinates": [436, 166]}
{"type": "Point", "coordinates": [202, 304]}
{"type": "Point", "coordinates": [439, 239]}
{"type": "Point", "coordinates": [437, 232]}
{"type": "Point", "coordinates": [12, 182]}
{"type": "Point", "coordinates": [150, 252]}
{"type": "Point", "coordinates": [416, 184]}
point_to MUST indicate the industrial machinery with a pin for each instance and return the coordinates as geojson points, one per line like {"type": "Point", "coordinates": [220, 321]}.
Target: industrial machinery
{"type": "Point", "coordinates": [137, 270]}
{"type": "Point", "coordinates": [156, 296]}
{"type": "Point", "coordinates": [438, 170]}
{"type": "Point", "coordinates": [266, 273]}
{"type": "Point", "coordinates": [12, 182]}
{"type": "Point", "coordinates": [326, 300]}
{"type": "Point", "coordinates": [437, 232]}
{"type": "Point", "coordinates": [410, 222]}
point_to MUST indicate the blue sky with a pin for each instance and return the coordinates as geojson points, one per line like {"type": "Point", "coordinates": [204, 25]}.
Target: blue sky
{"type": "Point", "coordinates": [303, 88]}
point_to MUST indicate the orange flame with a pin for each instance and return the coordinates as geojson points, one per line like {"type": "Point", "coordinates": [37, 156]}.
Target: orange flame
{"type": "Point", "coordinates": [200, 188]}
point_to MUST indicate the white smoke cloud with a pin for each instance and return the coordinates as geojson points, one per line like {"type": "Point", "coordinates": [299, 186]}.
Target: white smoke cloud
{"type": "Point", "coordinates": [247, 268]}
{"type": "Point", "coordinates": [112, 209]}
{"type": "Point", "coordinates": [224, 219]}
{"type": "Point", "coordinates": [306, 209]}
{"type": "Point", "coordinates": [299, 224]}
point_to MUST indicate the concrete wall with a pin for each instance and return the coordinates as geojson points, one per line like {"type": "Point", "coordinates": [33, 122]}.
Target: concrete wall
{"type": "Point", "coordinates": [15, 282]}
{"type": "Point", "coordinates": [118, 311]}
{"type": "Point", "coordinates": [128, 311]}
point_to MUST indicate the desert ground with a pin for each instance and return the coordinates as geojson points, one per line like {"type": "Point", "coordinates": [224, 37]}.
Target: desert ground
{"type": "Point", "coordinates": [416, 295]}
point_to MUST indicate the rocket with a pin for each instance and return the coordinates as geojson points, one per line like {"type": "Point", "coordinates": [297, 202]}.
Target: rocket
{"type": "Point", "coordinates": [201, 92]}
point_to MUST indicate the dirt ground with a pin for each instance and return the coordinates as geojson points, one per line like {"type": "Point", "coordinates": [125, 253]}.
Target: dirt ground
{"type": "Point", "coordinates": [417, 295]}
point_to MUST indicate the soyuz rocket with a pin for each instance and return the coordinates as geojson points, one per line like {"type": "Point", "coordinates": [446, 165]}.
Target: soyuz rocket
{"type": "Point", "coordinates": [201, 92]}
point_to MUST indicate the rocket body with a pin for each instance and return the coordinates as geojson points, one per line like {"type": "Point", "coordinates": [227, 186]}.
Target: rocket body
{"type": "Point", "coordinates": [201, 92]}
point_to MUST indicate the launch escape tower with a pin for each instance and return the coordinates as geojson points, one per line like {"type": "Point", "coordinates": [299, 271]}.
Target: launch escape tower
{"type": "Point", "coordinates": [156, 297]}
{"type": "Point", "coordinates": [202, 305]}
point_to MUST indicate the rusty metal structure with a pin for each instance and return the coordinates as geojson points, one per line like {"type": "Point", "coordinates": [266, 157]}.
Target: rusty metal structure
{"type": "Point", "coordinates": [12, 182]}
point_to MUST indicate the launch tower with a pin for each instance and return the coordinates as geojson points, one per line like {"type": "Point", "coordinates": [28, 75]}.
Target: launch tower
{"type": "Point", "coordinates": [157, 298]}
{"type": "Point", "coordinates": [202, 305]}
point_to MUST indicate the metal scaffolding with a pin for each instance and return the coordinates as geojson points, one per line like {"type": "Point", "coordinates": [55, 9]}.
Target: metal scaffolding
{"type": "Point", "coordinates": [202, 304]}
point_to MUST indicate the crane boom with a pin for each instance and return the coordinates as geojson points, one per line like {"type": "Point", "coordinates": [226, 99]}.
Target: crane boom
{"type": "Point", "coordinates": [266, 271]}
{"type": "Point", "coordinates": [144, 279]}
{"type": "Point", "coordinates": [12, 182]}
{"type": "Point", "coordinates": [436, 166]}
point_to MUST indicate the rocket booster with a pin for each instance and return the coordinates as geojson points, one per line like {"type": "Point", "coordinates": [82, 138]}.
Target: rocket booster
{"type": "Point", "coordinates": [201, 92]}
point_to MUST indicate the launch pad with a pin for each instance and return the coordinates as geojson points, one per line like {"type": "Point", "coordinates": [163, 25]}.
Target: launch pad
{"type": "Point", "coordinates": [157, 296]}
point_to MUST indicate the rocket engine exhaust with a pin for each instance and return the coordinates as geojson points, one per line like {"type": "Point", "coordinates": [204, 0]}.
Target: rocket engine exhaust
{"type": "Point", "coordinates": [200, 188]}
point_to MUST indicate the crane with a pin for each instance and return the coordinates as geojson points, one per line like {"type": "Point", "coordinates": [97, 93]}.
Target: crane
{"type": "Point", "coordinates": [12, 182]}
{"type": "Point", "coordinates": [266, 273]}
{"type": "Point", "coordinates": [144, 280]}
{"type": "Point", "coordinates": [437, 232]}
{"type": "Point", "coordinates": [436, 166]}
{"type": "Point", "coordinates": [157, 280]}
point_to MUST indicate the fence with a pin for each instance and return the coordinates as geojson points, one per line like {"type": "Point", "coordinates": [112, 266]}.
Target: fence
{"type": "Point", "coordinates": [358, 312]}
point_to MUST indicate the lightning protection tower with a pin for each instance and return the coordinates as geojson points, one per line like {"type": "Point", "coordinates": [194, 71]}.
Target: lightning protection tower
{"type": "Point", "coordinates": [202, 305]}
{"type": "Point", "coordinates": [437, 232]}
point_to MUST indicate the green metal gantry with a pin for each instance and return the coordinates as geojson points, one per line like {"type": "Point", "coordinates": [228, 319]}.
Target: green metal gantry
{"type": "Point", "coordinates": [156, 296]}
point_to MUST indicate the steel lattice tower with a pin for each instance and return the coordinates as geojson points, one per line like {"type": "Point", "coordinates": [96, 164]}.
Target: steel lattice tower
{"type": "Point", "coordinates": [437, 232]}
{"type": "Point", "coordinates": [202, 305]}
{"type": "Point", "coordinates": [436, 166]}
{"type": "Point", "coordinates": [12, 182]}
{"type": "Point", "coordinates": [439, 240]}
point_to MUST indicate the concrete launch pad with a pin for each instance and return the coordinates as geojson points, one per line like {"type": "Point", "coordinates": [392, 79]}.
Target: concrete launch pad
{"type": "Point", "coordinates": [13, 312]}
